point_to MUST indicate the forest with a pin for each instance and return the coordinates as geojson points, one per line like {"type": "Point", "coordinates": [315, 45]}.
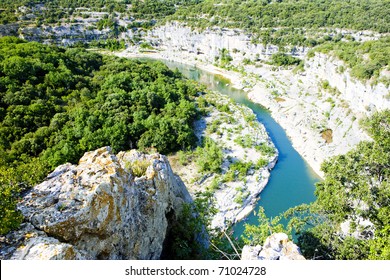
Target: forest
{"type": "Point", "coordinates": [58, 103]}
{"type": "Point", "coordinates": [56, 10]}
{"type": "Point", "coordinates": [253, 15]}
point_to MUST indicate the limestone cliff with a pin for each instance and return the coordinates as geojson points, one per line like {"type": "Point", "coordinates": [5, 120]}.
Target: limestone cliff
{"type": "Point", "coordinates": [276, 247]}
{"type": "Point", "coordinates": [99, 209]}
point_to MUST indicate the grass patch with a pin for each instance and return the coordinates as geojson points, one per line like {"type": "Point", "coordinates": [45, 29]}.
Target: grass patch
{"type": "Point", "coordinates": [279, 99]}
{"type": "Point", "coordinates": [138, 167]}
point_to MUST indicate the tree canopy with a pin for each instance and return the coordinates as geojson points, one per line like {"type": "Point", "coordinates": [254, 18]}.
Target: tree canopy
{"type": "Point", "coordinates": [256, 14]}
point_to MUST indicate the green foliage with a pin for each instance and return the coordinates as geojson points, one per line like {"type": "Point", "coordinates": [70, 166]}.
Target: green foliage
{"type": "Point", "coordinates": [183, 157]}
{"type": "Point", "coordinates": [245, 141]}
{"type": "Point", "coordinates": [138, 167]}
{"type": "Point", "coordinates": [191, 237]}
{"type": "Point", "coordinates": [282, 59]}
{"type": "Point", "coordinates": [265, 149]}
{"type": "Point", "coordinates": [223, 108]}
{"type": "Point", "coordinates": [214, 185]}
{"type": "Point", "coordinates": [224, 58]}
{"type": "Point", "coordinates": [188, 237]}
{"type": "Point", "coordinates": [262, 162]}
{"type": "Point", "coordinates": [145, 46]}
{"type": "Point", "coordinates": [109, 44]}
{"type": "Point", "coordinates": [56, 10]}
{"type": "Point", "coordinates": [58, 103]}
{"type": "Point", "coordinates": [209, 156]}
{"type": "Point", "coordinates": [257, 234]}
{"type": "Point", "coordinates": [106, 23]}
{"type": "Point", "coordinates": [239, 170]}
{"type": "Point", "coordinates": [303, 13]}
{"type": "Point", "coordinates": [293, 23]}
{"type": "Point", "coordinates": [241, 195]}
{"type": "Point", "coordinates": [10, 218]}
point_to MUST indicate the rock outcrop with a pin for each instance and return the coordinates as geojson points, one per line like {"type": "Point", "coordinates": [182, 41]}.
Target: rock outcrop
{"type": "Point", "coordinates": [276, 247]}
{"type": "Point", "coordinates": [99, 209]}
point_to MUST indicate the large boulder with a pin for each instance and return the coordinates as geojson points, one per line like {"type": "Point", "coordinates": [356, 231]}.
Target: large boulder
{"type": "Point", "coordinates": [106, 207]}
{"type": "Point", "coordinates": [276, 247]}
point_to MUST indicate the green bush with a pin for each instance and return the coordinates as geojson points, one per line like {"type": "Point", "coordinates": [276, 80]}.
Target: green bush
{"type": "Point", "coordinates": [209, 156]}
{"type": "Point", "coordinates": [355, 186]}
{"type": "Point", "coordinates": [10, 217]}
{"type": "Point", "coordinates": [365, 59]}
{"type": "Point", "coordinates": [261, 163]}
{"type": "Point", "coordinates": [245, 141]}
{"type": "Point", "coordinates": [265, 149]}
{"type": "Point", "coordinates": [282, 59]}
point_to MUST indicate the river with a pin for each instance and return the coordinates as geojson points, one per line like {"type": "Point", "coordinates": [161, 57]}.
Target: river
{"type": "Point", "coordinates": [292, 180]}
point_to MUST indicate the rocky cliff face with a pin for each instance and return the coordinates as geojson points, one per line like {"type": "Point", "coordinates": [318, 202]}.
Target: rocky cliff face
{"type": "Point", "coordinates": [276, 247]}
{"type": "Point", "coordinates": [99, 209]}
{"type": "Point", "coordinates": [207, 44]}
{"type": "Point", "coordinates": [320, 108]}
{"type": "Point", "coordinates": [66, 34]}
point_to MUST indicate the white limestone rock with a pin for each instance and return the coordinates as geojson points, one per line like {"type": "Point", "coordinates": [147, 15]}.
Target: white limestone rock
{"type": "Point", "coordinates": [276, 247]}
{"type": "Point", "coordinates": [99, 210]}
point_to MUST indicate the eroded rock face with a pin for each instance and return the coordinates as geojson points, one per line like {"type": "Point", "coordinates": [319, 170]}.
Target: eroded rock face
{"type": "Point", "coordinates": [276, 247]}
{"type": "Point", "coordinates": [99, 209]}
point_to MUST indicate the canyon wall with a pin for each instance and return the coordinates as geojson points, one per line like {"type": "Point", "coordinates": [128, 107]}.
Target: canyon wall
{"type": "Point", "coordinates": [319, 106]}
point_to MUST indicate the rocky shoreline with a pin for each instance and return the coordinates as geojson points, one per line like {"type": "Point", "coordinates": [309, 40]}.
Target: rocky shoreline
{"type": "Point", "coordinates": [248, 155]}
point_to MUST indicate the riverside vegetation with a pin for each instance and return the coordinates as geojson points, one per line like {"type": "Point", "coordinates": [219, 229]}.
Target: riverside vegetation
{"type": "Point", "coordinates": [58, 103]}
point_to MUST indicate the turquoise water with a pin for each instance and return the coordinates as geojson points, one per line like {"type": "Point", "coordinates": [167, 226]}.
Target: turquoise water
{"type": "Point", "coordinates": [292, 180]}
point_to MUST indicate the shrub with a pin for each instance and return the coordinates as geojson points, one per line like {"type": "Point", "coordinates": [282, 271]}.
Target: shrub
{"type": "Point", "coordinates": [138, 167]}
{"type": "Point", "coordinates": [209, 157]}
{"type": "Point", "coordinates": [10, 217]}
{"type": "Point", "coordinates": [282, 59]}
{"type": "Point", "coordinates": [261, 163]}
{"type": "Point", "coordinates": [265, 149]}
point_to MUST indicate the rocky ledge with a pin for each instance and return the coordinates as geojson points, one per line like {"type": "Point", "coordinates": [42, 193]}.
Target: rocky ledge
{"type": "Point", "coordinates": [276, 247]}
{"type": "Point", "coordinates": [106, 207]}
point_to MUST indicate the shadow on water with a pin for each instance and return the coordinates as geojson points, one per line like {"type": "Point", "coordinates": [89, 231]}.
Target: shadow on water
{"type": "Point", "coordinates": [292, 180]}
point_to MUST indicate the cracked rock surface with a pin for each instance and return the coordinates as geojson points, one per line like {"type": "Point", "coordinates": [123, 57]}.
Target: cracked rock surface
{"type": "Point", "coordinates": [99, 209]}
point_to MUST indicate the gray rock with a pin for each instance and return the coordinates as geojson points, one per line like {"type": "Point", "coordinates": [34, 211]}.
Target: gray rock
{"type": "Point", "coordinates": [99, 209]}
{"type": "Point", "coordinates": [276, 247]}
